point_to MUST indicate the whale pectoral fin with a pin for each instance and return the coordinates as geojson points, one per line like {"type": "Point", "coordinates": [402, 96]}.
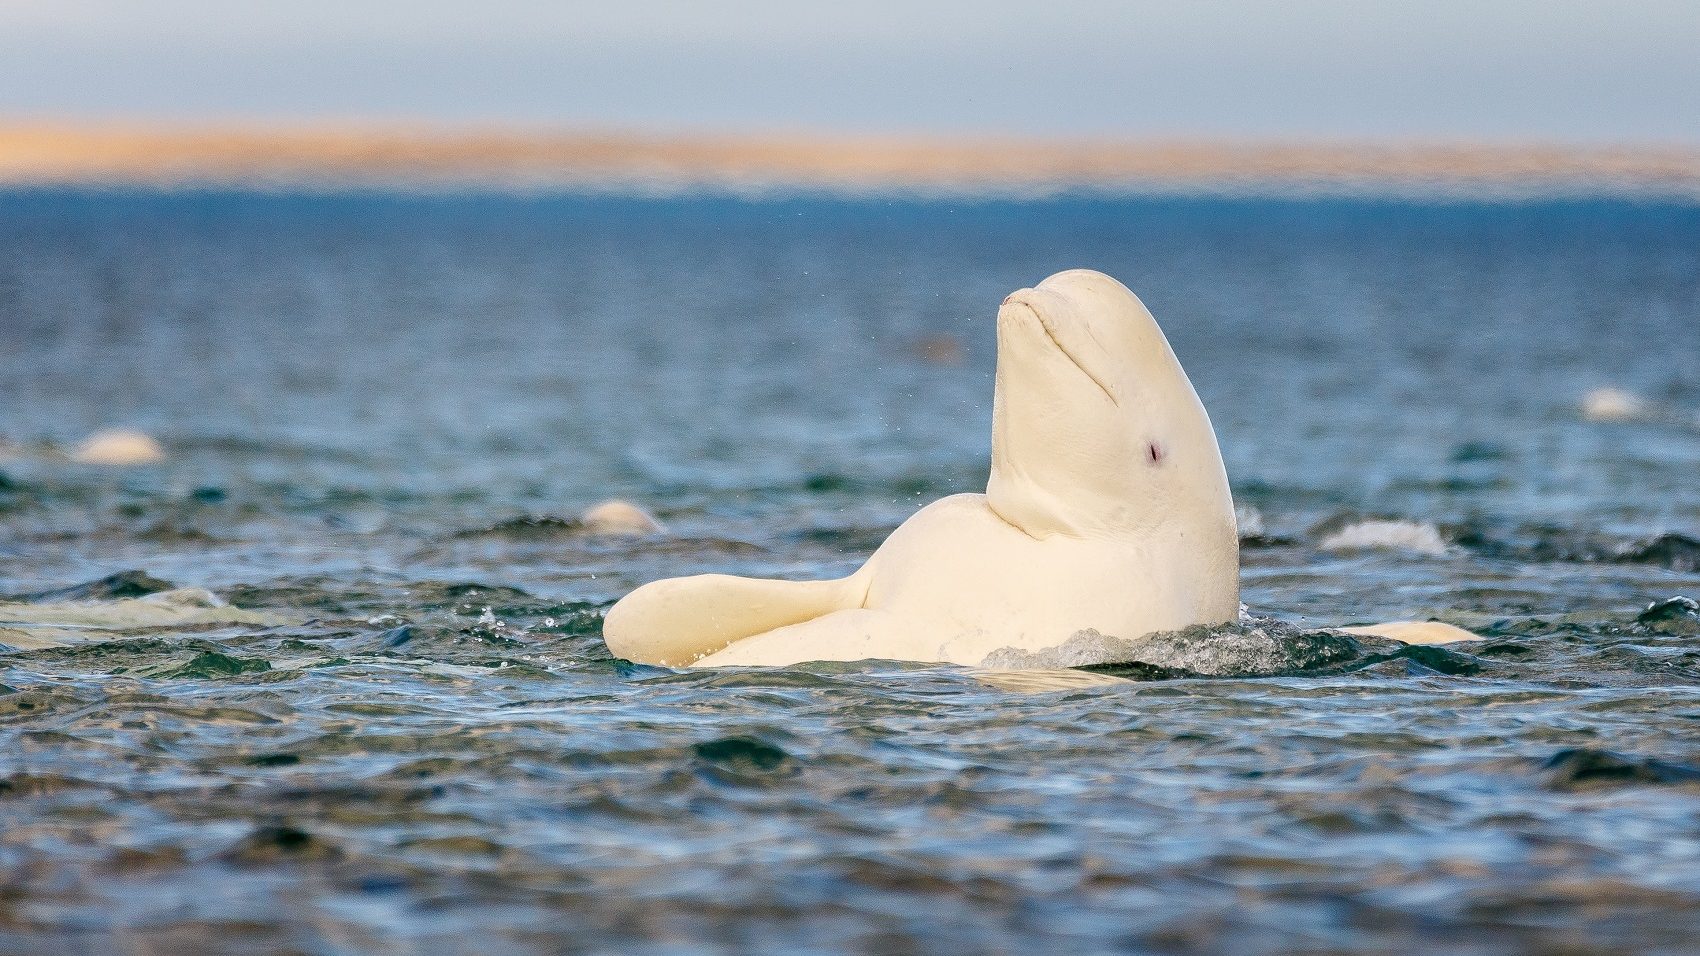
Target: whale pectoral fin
{"type": "Point", "coordinates": [1415, 632]}
{"type": "Point", "coordinates": [853, 634]}
{"type": "Point", "coordinates": [676, 621]}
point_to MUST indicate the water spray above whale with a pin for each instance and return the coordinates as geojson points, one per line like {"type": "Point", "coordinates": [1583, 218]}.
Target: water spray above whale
{"type": "Point", "coordinates": [1107, 510]}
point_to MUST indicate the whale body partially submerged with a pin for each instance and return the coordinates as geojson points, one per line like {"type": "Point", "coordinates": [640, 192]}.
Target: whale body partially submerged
{"type": "Point", "coordinates": [1107, 510]}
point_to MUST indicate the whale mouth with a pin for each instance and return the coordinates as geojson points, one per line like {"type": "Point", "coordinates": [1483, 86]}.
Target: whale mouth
{"type": "Point", "coordinates": [1073, 359]}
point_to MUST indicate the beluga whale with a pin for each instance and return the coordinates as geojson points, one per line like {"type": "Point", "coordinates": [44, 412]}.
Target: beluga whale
{"type": "Point", "coordinates": [1107, 510]}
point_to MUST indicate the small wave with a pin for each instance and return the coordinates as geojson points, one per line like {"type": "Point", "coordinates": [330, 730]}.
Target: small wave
{"type": "Point", "coordinates": [1249, 520]}
{"type": "Point", "coordinates": [1673, 615]}
{"type": "Point", "coordinates": [1669, 550]}
{"type": "Point", "coordinates": [1258, 647]}
{"type": "Point", "coordinates": [912, 485]}
{"type": "Point", "coordinates": [123, 584]}
{"type": "Point", "coordinates": [612, 518]}
{"type": "Point", "coordinates": [28, 625]}
{"type": "Point", "coordinates": [526, 528]}
{"type": "Point", "coordinates": [1583, 768]}
{"type": "Point", "coordinates": [1676, 552]}
{"type": "Point", "coordinates": [1254, 531]}
{"type": "Point", "coordinates": [854, 539]}
{"type": "Point", "coordinates": [1420, 537]}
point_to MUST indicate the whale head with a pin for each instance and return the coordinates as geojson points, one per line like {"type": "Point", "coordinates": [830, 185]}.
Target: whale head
{"type": "Point", "coordinates": [1096, 429]}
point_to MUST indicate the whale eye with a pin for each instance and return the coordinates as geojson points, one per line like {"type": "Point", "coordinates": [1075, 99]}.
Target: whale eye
{"type": "Point", "coordinates": [1153, 453]}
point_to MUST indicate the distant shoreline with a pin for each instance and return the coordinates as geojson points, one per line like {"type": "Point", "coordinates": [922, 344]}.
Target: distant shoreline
{"type": "Point", "coordinates": [41, 154]}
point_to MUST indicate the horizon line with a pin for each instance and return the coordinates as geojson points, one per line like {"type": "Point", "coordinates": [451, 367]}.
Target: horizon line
{"type": "Point", "coordinates": [435, 155]}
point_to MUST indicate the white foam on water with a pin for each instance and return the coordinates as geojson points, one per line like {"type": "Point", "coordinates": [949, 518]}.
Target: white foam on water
{"type": "Point", "coordinates": [28, 625]}
{"type": "Point", "coordinates": [1386, 535]}
{"type": "Point", "coordinates": [1249, 520]}
{"type": "Point", "coordinates": [1255, 646]}
{"type": "Point", "coordinates": [1083, 649]}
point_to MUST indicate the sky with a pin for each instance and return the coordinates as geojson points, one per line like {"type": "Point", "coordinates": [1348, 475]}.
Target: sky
{"type": "Point", "coordinates": [1559, 71]}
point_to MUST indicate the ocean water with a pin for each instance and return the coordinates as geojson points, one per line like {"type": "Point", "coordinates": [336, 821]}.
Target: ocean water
{"type": "Point", "coordinates": [385, 721]}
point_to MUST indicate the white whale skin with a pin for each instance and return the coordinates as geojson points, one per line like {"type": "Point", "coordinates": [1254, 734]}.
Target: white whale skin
{"type": "Point", "coordinates": [1107, 508]}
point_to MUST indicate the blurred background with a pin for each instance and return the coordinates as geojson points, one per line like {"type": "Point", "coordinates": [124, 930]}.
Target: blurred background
{"type": "Point", "coordinates": [322, 326]}
{"type": "Point", "coordinates": [1502, 70]}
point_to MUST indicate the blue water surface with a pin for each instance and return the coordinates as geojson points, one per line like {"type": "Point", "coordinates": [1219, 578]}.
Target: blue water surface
{"type": "Point", "coordinates": [382, 413]}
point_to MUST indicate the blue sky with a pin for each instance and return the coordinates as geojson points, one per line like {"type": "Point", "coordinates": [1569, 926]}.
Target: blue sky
{"type": "Point", "coordinates": [1555, 70]}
